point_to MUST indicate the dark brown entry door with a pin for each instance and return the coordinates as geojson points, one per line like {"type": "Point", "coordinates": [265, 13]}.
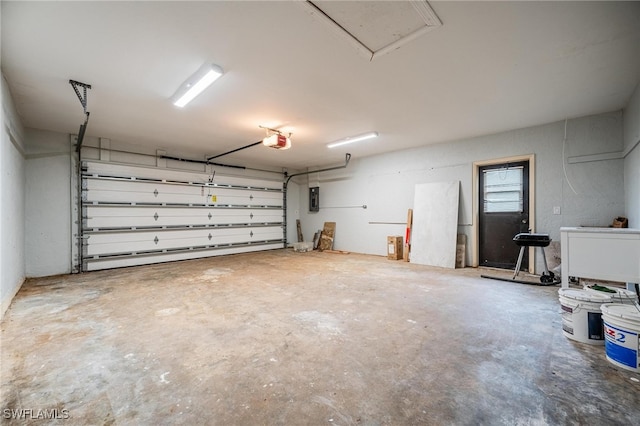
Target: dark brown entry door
{"type": "Point", "coordinates": [504, 212]}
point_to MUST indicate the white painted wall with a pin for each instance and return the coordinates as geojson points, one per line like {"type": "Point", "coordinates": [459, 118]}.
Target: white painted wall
{"type": "Point", "coordinates": [631, 121]}
{"type": "Point", "coordinates": [598, 185]}
{"type": "Point", "coordinates": [632, 187]}
{"type": "Point", "coordinates": [12, 185]}
{"type": "Point", "coordinates": [48, 204]}
{"type": "Point", "coordinates": [385, 183]}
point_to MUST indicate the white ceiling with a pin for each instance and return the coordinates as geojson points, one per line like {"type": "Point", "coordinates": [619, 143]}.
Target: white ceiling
{"type": "Point", "coordinates": [490, 67]}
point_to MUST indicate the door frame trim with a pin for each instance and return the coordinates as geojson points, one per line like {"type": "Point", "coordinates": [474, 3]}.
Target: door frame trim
{"type": "Point", "coordinates": [475, 228]}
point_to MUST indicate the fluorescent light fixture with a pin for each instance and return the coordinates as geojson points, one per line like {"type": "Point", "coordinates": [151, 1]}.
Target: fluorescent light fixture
{"type": "Point", "coordinates": [207, 74]}
{"type": "Point", "coordinates": [353, 139]}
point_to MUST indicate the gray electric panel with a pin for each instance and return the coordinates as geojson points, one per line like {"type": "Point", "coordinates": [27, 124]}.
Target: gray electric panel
{"type": "Point", "coordinates": [314, 199]}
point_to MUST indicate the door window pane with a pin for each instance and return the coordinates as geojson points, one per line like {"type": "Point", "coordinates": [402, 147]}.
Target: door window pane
{"type": "Point", "coordinates": [503, 190]}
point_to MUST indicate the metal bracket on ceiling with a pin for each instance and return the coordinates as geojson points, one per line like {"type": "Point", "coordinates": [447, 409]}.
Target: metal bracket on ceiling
{"type": "Point", "coordinates": [269, 129]}
{"type": "Point", "coordinates": [83, 100]}
{"type": "Point", "coordinates": [81, 97]}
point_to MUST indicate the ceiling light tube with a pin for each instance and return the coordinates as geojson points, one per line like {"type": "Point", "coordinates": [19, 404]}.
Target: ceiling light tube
{"type": "Point", "coordinates": [353, 139]}
{"type": "Point", "coordinates": [207, 74]}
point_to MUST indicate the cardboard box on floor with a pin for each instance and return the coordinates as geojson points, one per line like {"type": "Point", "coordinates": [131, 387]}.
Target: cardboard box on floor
{"type": "Point", "coordinates": [394, 247]}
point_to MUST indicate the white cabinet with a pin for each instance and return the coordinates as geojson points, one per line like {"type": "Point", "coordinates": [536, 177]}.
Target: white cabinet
{"type": "Point", "coordinates": [600, 253]}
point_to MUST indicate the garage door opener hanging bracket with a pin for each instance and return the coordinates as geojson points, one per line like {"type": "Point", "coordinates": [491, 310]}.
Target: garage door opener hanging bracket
{"type": "Point", "coordinates": [82, 97]}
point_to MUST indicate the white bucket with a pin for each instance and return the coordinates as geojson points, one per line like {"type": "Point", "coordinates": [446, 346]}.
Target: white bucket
{"type": "Point", "coordinates": [581, 315]}
{"type": "Point", "coordinates": [622, 328]}
{"type": "Point", "coordinates": [618, 295]}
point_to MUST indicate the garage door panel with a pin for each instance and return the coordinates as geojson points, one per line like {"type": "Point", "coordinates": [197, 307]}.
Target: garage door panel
{"type": "Point", "coordinates": [94, 264]}
{"type": "Point", "coordinates": [144, 241]}
{"type": "Point", "coordinates": [94, 169]}
{"type": "Point", "coordinates": [101, 216]}
{"type": "Point", "coordinates": [131, 191]}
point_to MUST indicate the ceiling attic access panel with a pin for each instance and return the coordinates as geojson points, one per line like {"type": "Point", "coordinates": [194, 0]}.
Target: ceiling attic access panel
{"type": "Point", "coordinates": [376, 28]}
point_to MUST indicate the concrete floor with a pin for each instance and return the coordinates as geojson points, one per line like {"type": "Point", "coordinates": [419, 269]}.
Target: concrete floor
{"type": "Point", "coordinates": [284, 338]}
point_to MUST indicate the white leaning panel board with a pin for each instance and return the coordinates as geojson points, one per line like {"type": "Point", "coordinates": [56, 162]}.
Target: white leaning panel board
{"type": "Point", "coordinates": [435, 224]}
{"type": "Point", "coordinates": [136, 215]}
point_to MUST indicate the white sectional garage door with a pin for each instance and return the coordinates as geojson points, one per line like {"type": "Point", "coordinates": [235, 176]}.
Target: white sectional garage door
{"type": "Point", "coordinates": [136, 215]}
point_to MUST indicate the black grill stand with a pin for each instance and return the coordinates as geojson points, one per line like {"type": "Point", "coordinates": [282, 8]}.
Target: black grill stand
{"type": "Point", "coordinates": [533, 240]}
{"type": "Point", "coordinates": [524, 241]}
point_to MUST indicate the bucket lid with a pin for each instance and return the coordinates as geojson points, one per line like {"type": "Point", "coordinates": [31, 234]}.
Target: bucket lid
{"type": "Point", "coordinates": [629, 312]}
{"type": "Point", "coordinates": [584, 295]}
